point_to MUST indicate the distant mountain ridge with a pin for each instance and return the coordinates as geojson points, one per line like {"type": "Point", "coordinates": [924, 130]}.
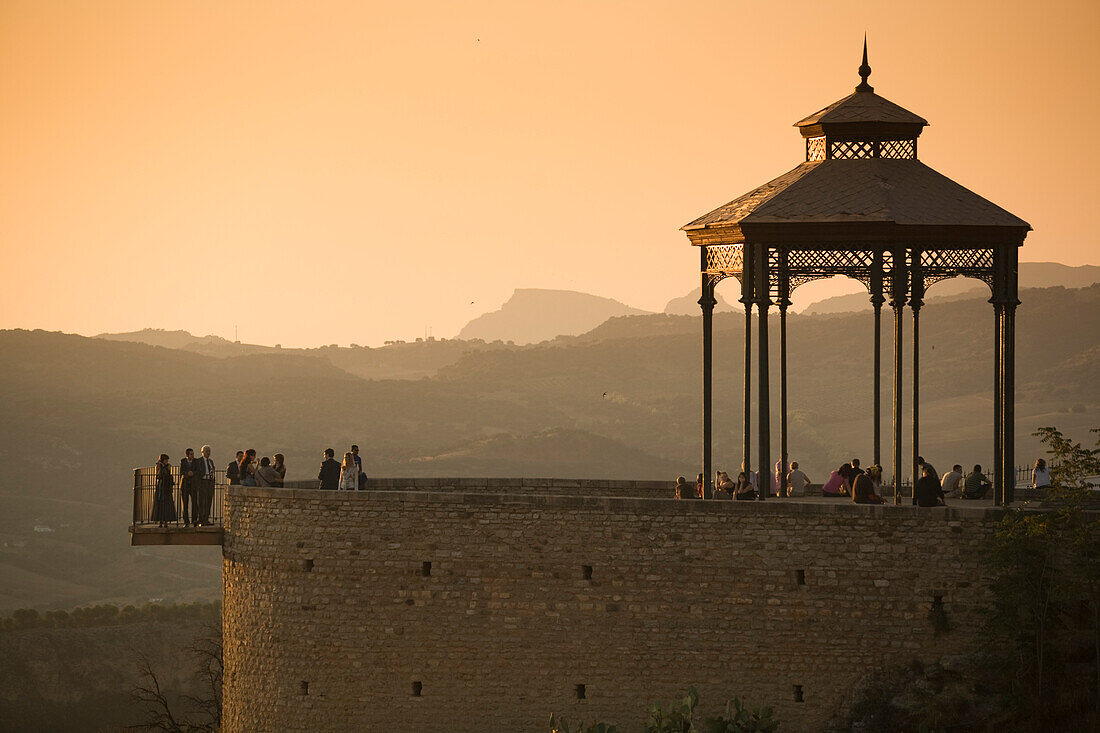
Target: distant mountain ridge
{"type": "Point", "coordinates": [532, 315]}
{"type": "Point", "coordinates": [1032, 275]}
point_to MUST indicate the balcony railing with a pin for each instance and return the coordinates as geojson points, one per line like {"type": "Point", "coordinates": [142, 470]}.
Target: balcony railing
{"type": "Point", "coordinates": [145, 486]}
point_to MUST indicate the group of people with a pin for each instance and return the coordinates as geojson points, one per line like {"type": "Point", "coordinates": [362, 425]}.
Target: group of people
{"type": "Point", "coordinates": [245, 470]}
{"type": "Point", "coordinates": [196, 489]}
{"type": "Point", "coordinates": [197, 477]}
{"type": "Point", "coordinates": [864, 487]}
{"type": "Point", "coordinates": [342, 476]}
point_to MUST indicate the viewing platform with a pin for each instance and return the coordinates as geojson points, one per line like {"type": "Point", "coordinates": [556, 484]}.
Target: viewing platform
{"type": "Point", "coordinates": [145, 531]}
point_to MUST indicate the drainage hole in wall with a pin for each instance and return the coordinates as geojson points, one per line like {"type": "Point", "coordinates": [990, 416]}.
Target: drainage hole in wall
{"type": "Point", "coordinates": [305, 688]}
{"type": "Point", "coordinates": [426, 569]}
{"type": "Point", "coordinates": [307, 565]}
{"type": "Point", "coordinates": [418, 687]}
{"type": "Point", "coordinates": [798, 693]}
{"type": "Point", "coordinates": [586, 571]}
{"type": "Point", "coordinates": [580, 692]}
{"type": "Point", "coordinates": [800, 577]}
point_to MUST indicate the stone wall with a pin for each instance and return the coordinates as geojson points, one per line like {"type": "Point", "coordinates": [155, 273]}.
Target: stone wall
{"type": "Point", "coordinates": [530, 486]}
{"type": "Point", "coordinates": [453, 611]}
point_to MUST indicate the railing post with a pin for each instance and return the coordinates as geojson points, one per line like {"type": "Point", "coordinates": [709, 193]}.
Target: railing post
{"type": "Point", "coordinates": [137, 496]}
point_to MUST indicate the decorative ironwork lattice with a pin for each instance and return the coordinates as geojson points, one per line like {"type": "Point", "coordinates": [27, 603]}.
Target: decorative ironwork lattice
{"type": "Point", "coordinates": [944, 264]}
{"type": "Point", "coordinates": [815, 148]}
{"type": "Point", "coordinates": [807, 265]}
{"type": "Point", "coordinates": [851, 149]}
{"type": "Point", "coordinates": [898, 149]}
{"type": "Point", "coordinates": [725, 260]}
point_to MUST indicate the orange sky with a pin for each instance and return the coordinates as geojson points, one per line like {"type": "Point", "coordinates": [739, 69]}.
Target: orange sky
{"type": "Point", "coordinates": [338, 172]}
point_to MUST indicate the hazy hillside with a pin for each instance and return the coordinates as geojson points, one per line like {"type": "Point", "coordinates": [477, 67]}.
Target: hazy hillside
{"type": "Point", "coordinates": [621, 401]}
{"type": "Point", "coordinates": [1032, 275]}
{"type": "Point", "coordinates": [395, 360]}
{"type": "Point", "coordinates": [80, 679]}
{"type": "Point", "coordinates": [532, 315]}
{"type": "Point", "coordinates": [688, 305]}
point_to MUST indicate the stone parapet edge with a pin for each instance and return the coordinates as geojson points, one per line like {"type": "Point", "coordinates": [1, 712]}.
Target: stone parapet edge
{"type": "Point", "coordinates": [775, 507]}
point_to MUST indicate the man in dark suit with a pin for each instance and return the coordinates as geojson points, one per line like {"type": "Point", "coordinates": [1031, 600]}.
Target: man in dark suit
{"type": "Point", "coordinates": [206, 486]}
{"type": "Point", "coordinates": [329, 475]}
{"type": "Point", "coordinates": [233, 470]}
{"type": "Point", "coordinates": [190, 470]}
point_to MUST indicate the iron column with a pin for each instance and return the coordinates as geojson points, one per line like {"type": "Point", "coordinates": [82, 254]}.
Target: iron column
{"type": "Point", "coordinates": [763, 406]}
{"type": "Point", "coordinates": [706, 302]}
{"type": "Point", "coordinates": [997, 399]}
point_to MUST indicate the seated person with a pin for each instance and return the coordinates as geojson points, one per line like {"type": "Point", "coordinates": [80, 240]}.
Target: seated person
{"type": "Point", "coordinates": [863, 490]}
{"type": "Point", "coordinates": [950, 482]}
{"type": "Point", "coordinates": [796, 481]}
{"type": "Point", "coordinates": [682, 489]}
{"type": "Point", "coordinates": [744, 490]}
{"type": "Point", "coordinates": [976, 485]}
{"type": "Point", "coordinates": [723, 485]}
{"type": "Point", "coordinates": [928, 491]}
{"type": "Point", "coordinates": [834, 486]}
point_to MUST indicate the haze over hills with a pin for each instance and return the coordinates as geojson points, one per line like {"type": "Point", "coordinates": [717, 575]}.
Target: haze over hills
{"type": "Point", "coordinates": [688, 305]}
{"type": "Point", "coordinates": [620, 401]}
{"type": "Point", "coordinates": [533, 314]}
{"type": "Point", "coordinates": [1032, 275]}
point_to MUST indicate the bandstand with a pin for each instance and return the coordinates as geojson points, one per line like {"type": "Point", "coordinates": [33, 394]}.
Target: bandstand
{"type": "Point", "coordinates": [861, 205]}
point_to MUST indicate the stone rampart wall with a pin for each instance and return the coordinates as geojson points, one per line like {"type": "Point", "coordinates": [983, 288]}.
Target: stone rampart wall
{"type": "Point", "coordinates": [453, 611]}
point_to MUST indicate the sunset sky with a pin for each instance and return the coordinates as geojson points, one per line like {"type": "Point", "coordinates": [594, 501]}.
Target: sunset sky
{"type": "Point", "coordinates": [337, 172]}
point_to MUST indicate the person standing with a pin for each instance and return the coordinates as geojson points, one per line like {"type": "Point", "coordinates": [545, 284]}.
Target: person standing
{"type": "Point", "coordinates": [950, 483]}
{"type": "Point", "coordinates": [796, 481]}
{"type": "Point", "coordinates": [189, 484]}
{"type": "Point", "coordinates": [1040, 475]}
{"type": "Point", "coordinates": [266, 475]}
{"type": "Point", "coordinates": [349, 473]}
{"type": "Point", "coordinates": [329, 475]}
{"type": "Point", "coordinates": [928, 491]}
{"type": "Point", "coordinates": [361, 478]}
{"type": "Point", "coordinates": [206, 488]}
{"type": "Point", "coordinates": [164, 507]}
{"type": "Point", "coordinates": [280, 468]}
{"type": "Point", "coordinates": [248, 468]}
{"type": "Point", "coordinates": [233, 470]}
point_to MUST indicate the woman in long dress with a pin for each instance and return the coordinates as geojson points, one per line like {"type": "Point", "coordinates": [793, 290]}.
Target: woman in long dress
{"type": "Point", "coordinates": [349, 473]}
{"type": "Point", "coordinates": [164, 507]}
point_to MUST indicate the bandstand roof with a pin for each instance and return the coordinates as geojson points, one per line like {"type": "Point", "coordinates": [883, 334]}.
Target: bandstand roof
{"type": "Point", "coordinates": [861, 183]}
{"type": "Point", "coordinates": [903, 192]}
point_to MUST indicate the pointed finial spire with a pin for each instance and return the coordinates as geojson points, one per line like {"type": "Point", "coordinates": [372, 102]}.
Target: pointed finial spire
{"type": "Point", "coordinates": [864, 70]}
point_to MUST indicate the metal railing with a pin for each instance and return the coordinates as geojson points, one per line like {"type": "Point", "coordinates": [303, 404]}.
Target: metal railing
{"type": "Point", "coordinates": [145, 486]}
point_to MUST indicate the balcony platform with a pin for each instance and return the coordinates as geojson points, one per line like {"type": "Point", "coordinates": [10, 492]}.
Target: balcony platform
{"type": "Point", "coordinates": [149, 534]}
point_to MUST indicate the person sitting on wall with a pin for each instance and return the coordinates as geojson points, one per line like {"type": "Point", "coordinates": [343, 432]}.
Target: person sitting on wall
{"type": "Point", "coordinates": [835, 485]}
{"type": "Point", "coordinates": [976, 485]}
{"type": "Point", "coordinates": [950, 483]}
{"type": "Point", "coordinates": [683, 490]}
{"type": "Point", "coordinates": [744, 490]}
{"type": "Point", "coordinates": [329, 475]}
{"type": "Point", "coordinates": [723, 485]}
{"type": "Point", "coordinates": [796, 481]}
{"type": "Point", "coordinates": [863, 490]}
{"type": "Point", "coordinates": [922, 464]}
{"type": "Point", "coordinates": [928, 491]}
